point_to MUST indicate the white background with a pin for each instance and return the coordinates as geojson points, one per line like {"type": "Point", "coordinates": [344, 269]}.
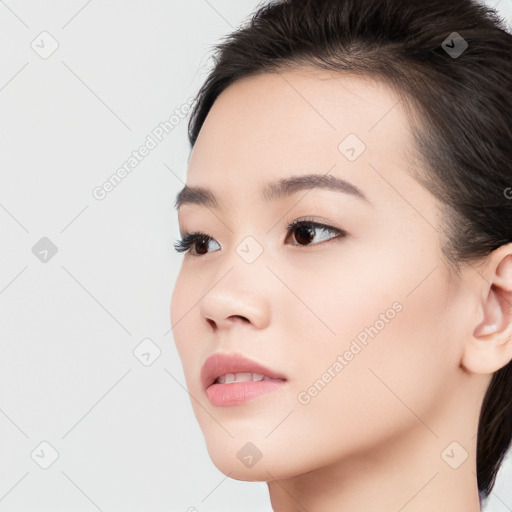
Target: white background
{"type": "Point", "coordinates": [124, 432]}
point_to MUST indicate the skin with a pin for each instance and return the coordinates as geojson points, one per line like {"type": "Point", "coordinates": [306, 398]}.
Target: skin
{"type": "Point", "coordinates": [373, 438]}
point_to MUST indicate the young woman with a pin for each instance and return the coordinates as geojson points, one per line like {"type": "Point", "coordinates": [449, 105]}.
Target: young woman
{"type": "Point", "coordinates": [343, 311]}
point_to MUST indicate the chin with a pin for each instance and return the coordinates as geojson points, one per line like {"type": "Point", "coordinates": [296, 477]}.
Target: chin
{"type": "Point", "coordinates": [241, 460]}
{"type": "Point", "coordinates": [231, 466]}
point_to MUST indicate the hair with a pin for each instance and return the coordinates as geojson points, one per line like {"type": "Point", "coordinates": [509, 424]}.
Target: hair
{"type": "Point", "coordinates": [458, 106]}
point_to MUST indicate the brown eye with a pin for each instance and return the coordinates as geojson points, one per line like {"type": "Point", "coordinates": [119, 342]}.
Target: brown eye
{"type": "Point", "coordinates": [200, 245]}
{"type": "Point", "coordinates": [197, 241]}
{"type": "Point", "coordinates": [304, 232]}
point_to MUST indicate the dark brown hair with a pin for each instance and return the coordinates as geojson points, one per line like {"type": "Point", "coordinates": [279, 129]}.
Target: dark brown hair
{"type": "Point", "coordinates": [459, 103]}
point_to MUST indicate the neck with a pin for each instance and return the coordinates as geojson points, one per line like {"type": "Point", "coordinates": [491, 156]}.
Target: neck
{"type": "Point", "coordinates": [411, 473]}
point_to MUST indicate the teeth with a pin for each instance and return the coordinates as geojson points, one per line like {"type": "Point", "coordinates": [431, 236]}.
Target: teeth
{"type": "Point", "coordinates": [239, 377]}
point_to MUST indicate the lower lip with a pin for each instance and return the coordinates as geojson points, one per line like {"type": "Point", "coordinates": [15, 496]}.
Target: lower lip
{"type": "Point", "coordinates": [237, 393]}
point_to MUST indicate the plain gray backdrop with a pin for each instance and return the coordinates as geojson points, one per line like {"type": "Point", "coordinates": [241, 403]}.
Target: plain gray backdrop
{"type": "Point", "coordinates": [94, 414]}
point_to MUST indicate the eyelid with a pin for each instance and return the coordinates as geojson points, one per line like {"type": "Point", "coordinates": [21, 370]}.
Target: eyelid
{"type": "Point", "coordinates": [314, 221]}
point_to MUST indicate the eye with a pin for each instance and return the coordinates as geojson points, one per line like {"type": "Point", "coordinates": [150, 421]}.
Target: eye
{"type": "Point", "coordinates": [304, 229]}
{"type": "Point", "coordinates": [193, 240]}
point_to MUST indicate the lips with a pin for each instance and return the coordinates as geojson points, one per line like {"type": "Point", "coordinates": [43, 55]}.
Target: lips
{"type": "Point", "coordinates": [220, 364]}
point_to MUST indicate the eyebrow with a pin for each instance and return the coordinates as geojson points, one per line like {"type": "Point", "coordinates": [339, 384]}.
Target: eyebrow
{"type": "Point", "coordinates": [280, 189]}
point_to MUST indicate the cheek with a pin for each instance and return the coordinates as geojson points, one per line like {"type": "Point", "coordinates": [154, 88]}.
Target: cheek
{"type": "Point", "coordinates": [176, 306]}
{"type": "Point", "coordinates": [391, 332]}
{"type": "Point", "coordinates": [182, 314]}
{"type": "Point", "coordinates": [394, 360]}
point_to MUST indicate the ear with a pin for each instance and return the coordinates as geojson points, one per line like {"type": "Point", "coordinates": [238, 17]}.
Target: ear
{"type": "Point", "coordinates": [490, 346]}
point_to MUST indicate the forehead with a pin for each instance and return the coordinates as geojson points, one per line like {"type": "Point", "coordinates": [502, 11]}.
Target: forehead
{"type": "Point", "coordinates": [307, 104]}
{"type": "Point", "coordinates": [273, 125]}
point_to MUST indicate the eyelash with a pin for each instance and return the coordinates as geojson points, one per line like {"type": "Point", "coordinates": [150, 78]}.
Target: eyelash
{"type": "Point", "coordinates": [189, 239]}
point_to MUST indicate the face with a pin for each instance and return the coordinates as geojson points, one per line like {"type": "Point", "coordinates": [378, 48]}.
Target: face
{"type": "Point", "coordinates": [354, 314]}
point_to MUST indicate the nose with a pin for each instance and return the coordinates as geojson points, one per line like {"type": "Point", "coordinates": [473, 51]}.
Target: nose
{"type": "Point", "coordinates": [235, 301]}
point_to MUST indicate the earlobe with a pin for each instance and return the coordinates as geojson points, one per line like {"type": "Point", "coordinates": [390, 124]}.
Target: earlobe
{"type": "Point", "coordinates": [490, 347]}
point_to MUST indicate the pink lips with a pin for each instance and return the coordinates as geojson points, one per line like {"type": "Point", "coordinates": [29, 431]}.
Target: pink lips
{"type": "Point", "coordinates": [236, 393]}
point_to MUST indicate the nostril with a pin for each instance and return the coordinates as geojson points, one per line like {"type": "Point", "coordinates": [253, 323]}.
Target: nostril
{"type": "Point", "coordinates": [242, 318]}
{"type": "Point", "coordinates": [233, 318]}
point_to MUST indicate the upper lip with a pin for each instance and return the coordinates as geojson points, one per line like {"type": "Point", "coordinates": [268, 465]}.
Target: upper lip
{"type": "Point", "coordinates": [220, 363]}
